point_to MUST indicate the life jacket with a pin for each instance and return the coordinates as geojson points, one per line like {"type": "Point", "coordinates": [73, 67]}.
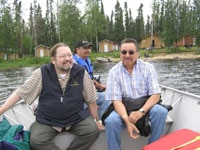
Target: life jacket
{"type": "Point", "coordinates": [13, 137]}
{"type": "Point", "coordinates": [86, 63]}
{"type": "Point", "coordinates": [58, 108]}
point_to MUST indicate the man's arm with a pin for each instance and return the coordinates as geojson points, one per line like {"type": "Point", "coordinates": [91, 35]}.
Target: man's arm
{"type": "Point", "coordinates": [28, 91]}
{"type": "Point", "coordinates": [12, 99]}
{"type": "Point", "coordinates": [99, 85]}
{"type": "Point", "coordinates": [136, 115]}
{"type": "Point", "coordinates": [90, 96]}
{"type": "Point", "coordinates": [121, 110]}
{"type": "Point", "coordinates": [152, 100]}
{"type": "Point", "coordinates": [94, 112]}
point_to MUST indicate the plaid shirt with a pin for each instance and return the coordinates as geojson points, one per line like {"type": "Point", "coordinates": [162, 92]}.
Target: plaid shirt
{"type": "Point", "coordinates": [142, 81]}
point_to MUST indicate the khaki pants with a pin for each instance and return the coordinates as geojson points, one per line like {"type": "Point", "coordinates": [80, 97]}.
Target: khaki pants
{"type": "Point", "coordinates": [42, 135]}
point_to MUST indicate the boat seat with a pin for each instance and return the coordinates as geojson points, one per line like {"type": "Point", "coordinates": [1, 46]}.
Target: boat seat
{"type": "Point", "coordinates": [64, 139]}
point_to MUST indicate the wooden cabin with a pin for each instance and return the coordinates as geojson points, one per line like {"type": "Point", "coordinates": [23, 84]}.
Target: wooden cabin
{"type": "Point", "coordinates": [108, 46]}
{"type": "Point", "coordinates": [151, 41]}
{"type": "Point", "coordinates": [6, 57]}
{"type": "Point", "coordinates": [42, 51]}
{"type": "Point", "coordinates": [187, 41]}
{"type": "Point", "coordinates": [13, 56]}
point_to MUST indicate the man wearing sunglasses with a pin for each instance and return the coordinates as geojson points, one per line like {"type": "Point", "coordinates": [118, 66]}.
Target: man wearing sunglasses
{"type": "Point", "coordinates": [132, 78]}
{"type": "Point", "coordinates": [81, 57]}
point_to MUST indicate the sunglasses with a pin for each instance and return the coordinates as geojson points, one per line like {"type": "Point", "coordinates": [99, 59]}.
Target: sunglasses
{"type": "Point", "coordinates": [86, 47]}
{"type": "Point", "coordinates": [124, 52]}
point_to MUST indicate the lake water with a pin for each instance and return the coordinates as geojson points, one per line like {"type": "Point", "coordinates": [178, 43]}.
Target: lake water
{"type": "Point", "coordinates": [180, 74]}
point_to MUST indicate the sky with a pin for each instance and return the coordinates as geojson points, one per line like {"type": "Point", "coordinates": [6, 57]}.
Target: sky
{"type": "Point", "coordinates": [109, 5]}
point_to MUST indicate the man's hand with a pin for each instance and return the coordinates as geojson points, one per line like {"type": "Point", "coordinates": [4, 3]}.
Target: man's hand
{"type": "Point", "coordinates": [132, 130]}
{"type": "Point", "coordinates": [102, 87]}
{"type": "Point", "coordinates": [135, 116]}
{"type": "Point", "coordinates": [99, 85]}
{"type": "Point", "coordinates": [100, 125]}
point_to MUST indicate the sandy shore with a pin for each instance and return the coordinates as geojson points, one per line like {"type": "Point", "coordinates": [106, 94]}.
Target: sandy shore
{"type": "Point", "coordinates": [167, 56]}
{"type": "Point", "coordinates": [176, 56]}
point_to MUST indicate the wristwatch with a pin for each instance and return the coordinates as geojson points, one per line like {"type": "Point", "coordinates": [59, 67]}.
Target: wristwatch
{"type": "Point", "coordinates": [96, 119]}
{"type": "Point", "coordinates": [142, 111]}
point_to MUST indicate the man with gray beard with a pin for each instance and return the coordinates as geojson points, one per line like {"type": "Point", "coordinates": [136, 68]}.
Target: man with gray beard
{"type": "Point", "coordinates": [62, 87]}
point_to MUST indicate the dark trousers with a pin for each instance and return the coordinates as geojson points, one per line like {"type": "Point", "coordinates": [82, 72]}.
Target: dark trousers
{"type": "Point", "coordinates": [42, 135]}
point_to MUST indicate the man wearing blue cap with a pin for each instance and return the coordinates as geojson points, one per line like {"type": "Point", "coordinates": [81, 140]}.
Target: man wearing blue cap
{"type": "Point", "coordinates": [81, 57]}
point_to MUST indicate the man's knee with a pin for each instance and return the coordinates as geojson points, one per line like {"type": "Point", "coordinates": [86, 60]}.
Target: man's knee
{"type": "Point", "coordinates": [35, 141]}
{"type": "Point", "coordinates": [112, 120]}
{"type": "Point", "coordinates": [94, 130]}
{"type": "Point", "coordinates": [91, 129]}
{"type": "Point", "coordinates": [159, 111]}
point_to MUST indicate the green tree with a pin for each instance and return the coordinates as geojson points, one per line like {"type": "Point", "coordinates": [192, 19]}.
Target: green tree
{"type": "Point", "coordinates": [119, 31]}
{"type": "Point", "coordinates": [184, 19]}
{"type": "Point", "coordinates": [102, 23]}
{"type": "Point", "coordinates": [110, 27]}
{"type": "Point", "coordinates": [148, 26]}
{"type": "Point", "coordinates": [18, 26]}
{"type": "Point", "coordinates": [96, 22]}
{"type": "Point", "coordinates": [6, 32]}
{"type": "Point", "coordinates": [31, 32]}
{"type": "Point", "coordinates": [156, 17]}
{"type": "Point", "coordinates": [140, 23]}
{"type": "Point", "coordinates": [196, 21]}
{"type": "Point", "coordinates": [51, 23]}
{"type": "Point", "coordinates": [70, 22]}
{"type": "Point", "coordinates": [170, 23]}
{"type": "Point", "coordinates": [40, 26]}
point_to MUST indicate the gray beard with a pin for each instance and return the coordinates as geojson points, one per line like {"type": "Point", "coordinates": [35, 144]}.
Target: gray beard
{"type": "Point", "coordinates": [66, 69]}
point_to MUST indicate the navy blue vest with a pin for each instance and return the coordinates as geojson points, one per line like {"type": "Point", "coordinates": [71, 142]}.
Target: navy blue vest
{"type": "Point", "coordinates": [58, 108]}
{"type": "Point", "coordinates": [86, 63]}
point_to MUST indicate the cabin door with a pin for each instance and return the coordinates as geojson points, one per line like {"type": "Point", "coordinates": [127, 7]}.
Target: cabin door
{"type": "Point", "coordinates": [105, 47]}
{"type": "Point", "coordinates": [41, 53]}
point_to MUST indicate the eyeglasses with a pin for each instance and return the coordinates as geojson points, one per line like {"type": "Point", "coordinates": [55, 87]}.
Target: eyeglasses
{"type": "Point", "coordinates": [64, 56]}
{"type": "Point", "coordinates": [124, 52]}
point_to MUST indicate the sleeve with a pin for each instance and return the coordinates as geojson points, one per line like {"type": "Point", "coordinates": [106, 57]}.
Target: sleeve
{"type": "Point", "coordinates": [113, 91]}
{"type": "Point", "coordinates": [153, 83]}
{"type": "Point", "coordinates": [89, 90]}
{"type": "Point", "coordinates": [31, 88]}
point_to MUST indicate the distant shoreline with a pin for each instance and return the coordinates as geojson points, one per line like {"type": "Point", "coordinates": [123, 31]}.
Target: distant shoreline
{"type": "Point", "coordinates": [175, 56]}
{"type": "Point", "coordinates": [166, 57]}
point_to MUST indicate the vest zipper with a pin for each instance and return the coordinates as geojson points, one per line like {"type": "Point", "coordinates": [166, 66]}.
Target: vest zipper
{"type": "Point", "coordinates": [61, 99]}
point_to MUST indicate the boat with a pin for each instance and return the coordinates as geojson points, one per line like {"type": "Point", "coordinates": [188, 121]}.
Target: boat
{"type": "Point", "coordinates": [184, 115]}
{"type": "Point", "coordinates": [102, 60]}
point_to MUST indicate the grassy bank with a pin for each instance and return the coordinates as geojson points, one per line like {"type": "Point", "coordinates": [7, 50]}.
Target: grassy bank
{"type": "Point", "coordinates": [33, 61]}
{"type": "Point", "coordinates": [23, 62]}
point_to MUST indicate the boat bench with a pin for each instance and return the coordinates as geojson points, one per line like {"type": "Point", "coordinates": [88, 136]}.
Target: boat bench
{"type": "Point", "coordinates": [100, 143]}
{"type": "Point", "coordinates": [22, 114]}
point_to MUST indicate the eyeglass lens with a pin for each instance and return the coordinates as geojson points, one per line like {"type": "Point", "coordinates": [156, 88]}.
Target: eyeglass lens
{"type": "Point", "coordinates": [124, 52]}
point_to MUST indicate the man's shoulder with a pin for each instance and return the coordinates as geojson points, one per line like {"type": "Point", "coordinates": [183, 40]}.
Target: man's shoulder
{"type": "Point", "coordinates": [143, 63]}
{"type": "Point", "coordinates": [117, 67]}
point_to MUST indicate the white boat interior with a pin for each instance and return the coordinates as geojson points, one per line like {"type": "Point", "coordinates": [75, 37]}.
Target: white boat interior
{"type": "Point", "coordinates": [186, 108]}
